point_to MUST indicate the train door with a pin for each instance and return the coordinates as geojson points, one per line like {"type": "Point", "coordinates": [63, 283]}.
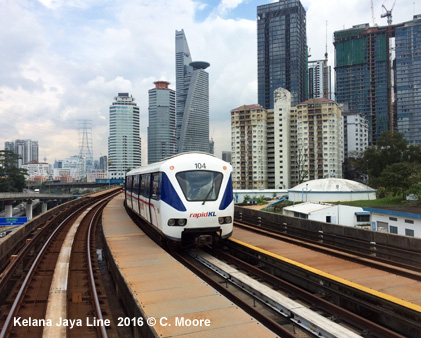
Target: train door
{"type": "Point", "coordinates": [148, 197]}
{"type": "Point", "coordinates": [154, 199]}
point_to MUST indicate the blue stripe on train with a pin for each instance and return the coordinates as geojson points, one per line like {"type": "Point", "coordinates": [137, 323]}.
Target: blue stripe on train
{"type": "Point", "coordinates": [169, 195]}
{"type": "Point", "coordinates": [228, 196]}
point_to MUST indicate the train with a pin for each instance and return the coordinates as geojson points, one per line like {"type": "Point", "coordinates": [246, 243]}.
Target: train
{"type": "Point", "coordinates": [186, 198]}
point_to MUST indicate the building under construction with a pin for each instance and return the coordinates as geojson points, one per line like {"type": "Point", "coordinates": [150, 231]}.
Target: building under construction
{"type": "Point", "coordinates": [378, 73]}
{"type": "Point", "coordinates": [363, 75]}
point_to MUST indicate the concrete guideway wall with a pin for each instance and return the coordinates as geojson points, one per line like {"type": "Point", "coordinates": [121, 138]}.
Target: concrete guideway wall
{"type": "Point", "coordinates": [397, 241]}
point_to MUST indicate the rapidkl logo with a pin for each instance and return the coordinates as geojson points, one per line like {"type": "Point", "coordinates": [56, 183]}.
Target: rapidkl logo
{"type": "Point", "coordinates": [203, 214]}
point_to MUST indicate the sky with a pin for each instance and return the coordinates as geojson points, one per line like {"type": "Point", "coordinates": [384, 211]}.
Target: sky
{"type": "Point", "coordinates": [63, 61]}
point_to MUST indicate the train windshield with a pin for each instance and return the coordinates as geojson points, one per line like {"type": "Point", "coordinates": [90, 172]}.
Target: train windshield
{"type": "Point", "coordinates": [200, 185]}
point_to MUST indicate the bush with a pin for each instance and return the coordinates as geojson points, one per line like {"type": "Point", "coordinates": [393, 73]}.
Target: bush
{"type": "Point", "coordinates": [381, 192]}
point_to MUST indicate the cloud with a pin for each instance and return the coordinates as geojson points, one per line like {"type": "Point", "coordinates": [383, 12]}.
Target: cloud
{"type": "Point", "coordinates": [65, 60]}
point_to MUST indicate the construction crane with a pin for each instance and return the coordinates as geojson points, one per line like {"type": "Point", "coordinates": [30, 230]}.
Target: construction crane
{"type": "Point", "coordinates": [388, 14]}
{"type": "Point", "coordinates": [372, 14]}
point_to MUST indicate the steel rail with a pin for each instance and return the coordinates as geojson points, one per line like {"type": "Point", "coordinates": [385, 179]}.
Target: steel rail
{"type": "Point", "coordinates": [269, 323]}
{"type": "Point", "coordinates": [91, 272]}
{"type": "Point", "coordinates": [310, 298]}
{"type": "Point", "coordinates": [29, 275]}
{"type": "Point", "coordinates": [374, 262]}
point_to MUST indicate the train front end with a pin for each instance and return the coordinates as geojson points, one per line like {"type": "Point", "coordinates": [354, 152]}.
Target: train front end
{"type": "Point", "coordinates": [199, 192]}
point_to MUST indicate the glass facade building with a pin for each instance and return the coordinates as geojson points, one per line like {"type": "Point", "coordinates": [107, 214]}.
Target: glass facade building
{"type": "Point", "coordinates": [26, 149]}
{"type": "Point", "coordinates": [124, 151]}
{"type": "Point", "coordinates": [408, 79]}
{"type": "Point", "coordinates": [281, 51]}
{"type": "Point", "coordinates": [192, 99]}
{"type": "Point", "coordinates": [319, 80]}
{"type": "Point", "coordinates": [161, 130]}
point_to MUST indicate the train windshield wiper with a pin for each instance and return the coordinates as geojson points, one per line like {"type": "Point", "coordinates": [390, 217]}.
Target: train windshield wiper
{"type": "Point", "coordinates": [206, 198]}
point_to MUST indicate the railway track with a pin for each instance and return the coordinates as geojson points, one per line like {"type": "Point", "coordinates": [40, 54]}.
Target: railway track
{"type": "Point", "coordinates": [363, 246]}
{"type": "Point", "coordinates": [58, 291]}
{"type": "Point", "coordinates": [384, 311]}
{"type": "Point", "coordinates": [373, 261]}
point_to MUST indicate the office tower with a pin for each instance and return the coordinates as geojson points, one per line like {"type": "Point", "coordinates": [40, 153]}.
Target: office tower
{"type": "Point", "coordinates": [363, 78]}
{"type": "Point", "coordinates": [281, 51]}
{"type": "Point", "coordinates": [26, 149]}
{"type": "Point", "coordinates": [319, 80]}
{"type": "Point", "coordinates": [192, 99]}
{"type": "Point", "coordinates": [408, 79]}
{"type": "Point", "coordinates": [226, 156]}
{"type": "Point", "coordinates": [317, 148]}
{"type": "Point", "coordinates": [103, 163]}
{"type": "Point", "coordinates": [124, 150]}
{"type": "Point", "coordinates": [278, 141]}
{"type": "Point", "coordinates": [161, 130]}
{"type": "Point", "coordinates": [249, 147]}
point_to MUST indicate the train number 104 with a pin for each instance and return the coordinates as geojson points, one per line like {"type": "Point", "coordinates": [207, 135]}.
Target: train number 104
{"type": "Point", "coordinates": [200, 165]}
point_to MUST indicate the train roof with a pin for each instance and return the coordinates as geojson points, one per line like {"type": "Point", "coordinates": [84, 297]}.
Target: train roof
{"type": "Point", "coordinates": [178, 157]}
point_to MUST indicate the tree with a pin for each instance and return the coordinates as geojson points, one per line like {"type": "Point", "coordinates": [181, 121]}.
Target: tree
{"type": "Point", "coordinates": [390, 148]}
{"type": "Point", "coordinates": [399, 177]}
{"type": "Point", "coordinates": [12, 179]}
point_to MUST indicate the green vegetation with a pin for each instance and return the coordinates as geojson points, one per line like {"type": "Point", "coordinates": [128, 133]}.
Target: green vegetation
{"type": "Point", "coordinates": [392, 166]}
{"type": "Point", "coordinates": [12, 179]}
{"type": "Point", "coordinates": [388, 201]}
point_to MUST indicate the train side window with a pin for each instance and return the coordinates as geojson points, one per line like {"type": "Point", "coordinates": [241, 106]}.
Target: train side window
{"type": "Point", "coordinates": [155, 193]}
{"type": "Point", "coordinates": [128, 184]}
{"type": "Point", "coordinates": [136, 183]}
{"type": "Point", "coordinates": [143, 185]}
{"type": "Point", "coordinates": [147, 185]}
{"type": "Point", "coordinates": [139, 191]}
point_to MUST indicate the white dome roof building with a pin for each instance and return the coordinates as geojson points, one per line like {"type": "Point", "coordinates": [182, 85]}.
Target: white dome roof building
{"type": "Point", "coordinates": [331, 190]}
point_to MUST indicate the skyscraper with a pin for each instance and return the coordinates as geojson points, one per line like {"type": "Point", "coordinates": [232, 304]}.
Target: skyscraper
{"type": "Point", "coordinates": [363, 75]}
{"type": "Point", "coordinates": [319, 80]}
{"type": "Point", "coordinates": [124, 150]}
{"type": "Point", "coordinates": [408, 79]}
{"type": "Point", "coordinates": [161, 131]}
{"type": "Point", "coordinates": [281, 51]}
{"type": "Point", "coordinates": [26, 149]}
{"type": "Point", "coordinates": [192, 99]}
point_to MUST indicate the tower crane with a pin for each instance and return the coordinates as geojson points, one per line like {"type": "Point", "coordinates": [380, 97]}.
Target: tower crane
{"type": "Point", "coordinates": [388, 14]}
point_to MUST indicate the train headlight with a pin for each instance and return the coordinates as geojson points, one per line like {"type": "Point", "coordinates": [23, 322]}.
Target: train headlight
{"type": "Point", "coordinates": [221, 220]}
{"type": "Point", "coordinates": [228, 219]}
{"type": "Point", "coordinates": [171, 222]}
{"type": "Point", "coordinates": [182, 222]}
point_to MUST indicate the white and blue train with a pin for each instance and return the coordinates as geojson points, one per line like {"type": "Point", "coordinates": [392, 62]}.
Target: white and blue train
{"type": "Point", "coordinates": [187, 198]}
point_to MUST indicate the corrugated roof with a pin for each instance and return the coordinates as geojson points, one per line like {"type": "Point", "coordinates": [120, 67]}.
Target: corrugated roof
{"type": "Point", "coordinates": [308, 207]}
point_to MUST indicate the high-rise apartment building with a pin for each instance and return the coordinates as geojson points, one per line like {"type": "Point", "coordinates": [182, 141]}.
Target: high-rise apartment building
{"type": "Point", "coordinates": [124, 151]}
{"type": "Point", "coordinates": [279, 141]}
{"type": "Point", "coordinates": [26, 149]}
{"type": "Point", "coordinates": [408, 79]}
{"type": "Point", "coordinates": [317, 148]}
{"type": "Point", "coordinates": [161, 131]}
{"type": "Point", "coordinates": [319, 80]}
{"type": "Point", "coordinates": [356, 133]}
{"type": "Point", "coordinates": [192, 99]}
{"type": "Point", "coordinates": [363, 77]}
{"type": "Point", "coordinates": [281, 51]}
{"type": "Point", "coordinates": [249, 147]}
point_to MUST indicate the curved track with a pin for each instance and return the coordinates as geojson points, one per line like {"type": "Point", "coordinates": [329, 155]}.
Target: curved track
{"type": "Point", "coordinates": [38, 306]}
